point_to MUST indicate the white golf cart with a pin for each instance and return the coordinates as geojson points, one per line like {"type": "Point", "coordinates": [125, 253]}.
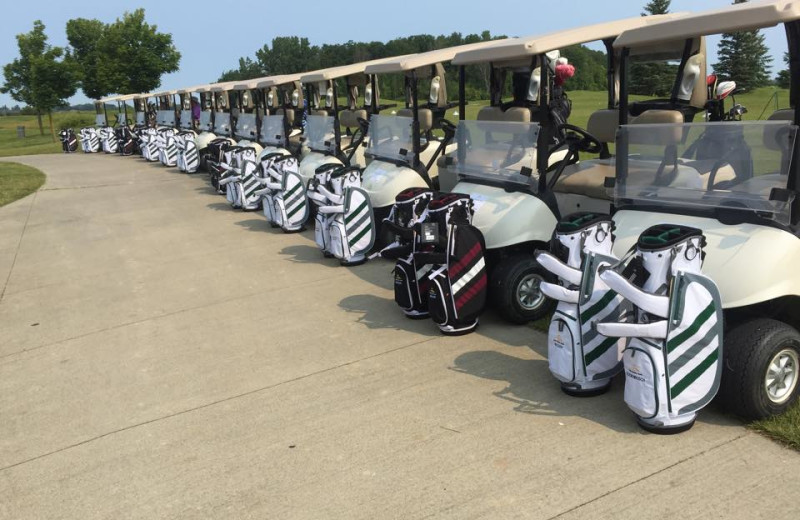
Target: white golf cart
{"type": "Point", "coordinates": [324, 120]}
{"type": "Point", "coordinates": [737, 182]}
{"type": "Point", "coordinates": [245, 125]}
{"type": "Point", "coordinates": [282, 123]}
{"type": "Point", "coordinates": [403, 149]}
{"type": "Point", "coordinates": [510, 157]}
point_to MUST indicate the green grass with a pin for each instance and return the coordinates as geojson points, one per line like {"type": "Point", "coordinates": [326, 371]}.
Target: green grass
{"type": "Point", "coordinates": [34, 143]}
{"type": "Point", "coordinates": [17, 181]}
{"type": "Point", "coordinates": [783, 428]}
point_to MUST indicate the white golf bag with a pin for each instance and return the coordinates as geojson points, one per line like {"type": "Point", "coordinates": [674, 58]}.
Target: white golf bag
{"type": "Point", "coordinates": [285, 203]}
{"type": "Point", "coordinates": [108, 139]}
{"type": "Point", "coordinates": [580, 357]}
{"type": "Point", "coordinates": [149, 144]}
{"type": "Point", "coordinates": [188, 159]}
{"type": "Point", "coordinates": [673, 360]}
{"type": "Point", "coordinates": [348, 216]}
{"type": "Point", "coordinates": [90, 141]}
{"type": "Point", "coordinates": [322, 221]}
{"type": "Point", "coordinates": [167, 150]}
{"type": "Point", "coordinates": [241, 179]}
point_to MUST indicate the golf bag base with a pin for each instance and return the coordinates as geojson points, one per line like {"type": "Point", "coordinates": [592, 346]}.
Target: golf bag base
{"type": "Point", "coordinates": [586, 388]}
{"type": "Point", "coordinates": [663, 429]}
{"type": "Point", "coordinates": [354, 262]}
{"type": "Point", "coordinates": [417, 315]}
{"type": "Point", "coordinates": [449, 330]}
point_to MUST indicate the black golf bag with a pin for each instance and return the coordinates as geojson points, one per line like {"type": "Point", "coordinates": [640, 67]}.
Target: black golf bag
{"type": "Point", "coordinates": [69, 142]}
{"type": "Point", "coordinates": [411, 283]}
{"type": "Point", "coordinates": [215, 156]}
{"type": "Point", "coordinates": [128, 141]}
{"type": "Point", "coordinates": [458, 280]}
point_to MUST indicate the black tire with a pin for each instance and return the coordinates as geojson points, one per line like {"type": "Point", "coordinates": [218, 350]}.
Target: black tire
{"type": "Point", "coordinates": [504, 283]}
{"type": "Point", "coordinates": [747, 353]}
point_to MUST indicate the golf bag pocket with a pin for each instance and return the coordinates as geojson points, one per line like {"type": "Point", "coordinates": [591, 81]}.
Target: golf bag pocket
{"type": "Point", "coordinates": [322, 232]}
{"type": "Point", "coordinates": [561, 347]}
{"type": "Point", "coordinates": [641, 390]}
{"type": "Point", "coordinates": [411, 288]}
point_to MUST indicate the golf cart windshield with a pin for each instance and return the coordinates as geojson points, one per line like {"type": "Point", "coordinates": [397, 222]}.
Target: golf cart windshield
{"type": "Point", "coordinates": [100, 119]}
{"type": "Point", "coordinates": [732, 165]}
{"type": "Point", "coordinates": [272, 130]}
{"type": "Point", "coordinates": [140, 118]}
{"type": "Point", "coordinates": [246, 126]}
{"type": "Point", "coordinates": [186, 118]}
{"type": "Point", "coordinates": [205, 120]}
{"type": "Point", "coordinates": [390, 138]}
{"type": "Point", "coordinates": [319, 130]}
{"type": "Point", "coordinates": [222, 122]}
{"type": "Point", "coordinates": [497, 151]}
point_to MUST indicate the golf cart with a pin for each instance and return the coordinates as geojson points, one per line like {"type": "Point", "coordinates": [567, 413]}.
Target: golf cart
{"type": "Point", "coordinates": [90, 135]}
{"type": "Point", "coordinates": [282, 122]}
{"type": "Point", "coordinates": [127, 140]}
{"type": "Point", "coordinates": [508, 159]}
{"type": "Point", "coordinates": [736, 182]}
{"type": "Point", "coordinates": [322, 136]}
{"type": "Point", "coordinates": [402, 147]}
{"type": "Point", "coordinates": [245, 126]}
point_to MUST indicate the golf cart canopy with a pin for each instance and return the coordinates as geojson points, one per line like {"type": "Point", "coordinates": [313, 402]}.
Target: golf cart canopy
{"type": "Point", "coordinates": [277, 81]}
{"type": "Point", "coordinates": [738, 17]}
{"type": "Point", "coordinates": [341, 71]}
{"type": "Point", "coordinates": [517, 48]}
{"type": "Point", "coordinates": [222, 87]}
{"type": "Point", "coordinates": [411, 62]}
{"type": "Point", "coordinates": [191, 90]}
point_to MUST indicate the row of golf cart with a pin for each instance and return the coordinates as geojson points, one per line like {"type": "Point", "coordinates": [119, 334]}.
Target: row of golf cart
{"type": "Point", "coordinates": [660, 239]}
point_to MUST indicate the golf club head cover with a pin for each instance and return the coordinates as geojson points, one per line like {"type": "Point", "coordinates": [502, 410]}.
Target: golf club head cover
{"type": "Point", "coordinates": [673, 358]}
{"type": "Point", "coordinates": [583, 360]}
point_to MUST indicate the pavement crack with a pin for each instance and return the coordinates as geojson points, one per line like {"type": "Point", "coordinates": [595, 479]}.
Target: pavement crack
{"type": "Point", "coordinates": [214, 403]}
{"type": "Point", "coordinates": [657, 472]}
{"type": "Point", "coordinates": [19, 246]}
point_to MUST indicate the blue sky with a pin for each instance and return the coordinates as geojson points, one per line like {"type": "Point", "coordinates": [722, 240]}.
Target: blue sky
{"type": "Point", "coordinates": [213, 35]}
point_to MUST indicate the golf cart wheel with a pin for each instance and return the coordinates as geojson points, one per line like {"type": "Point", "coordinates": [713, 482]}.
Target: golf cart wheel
{"type": "Point", "coordinates": [761, 368]}
{"type": "Point", "coordinates": [514, 290]}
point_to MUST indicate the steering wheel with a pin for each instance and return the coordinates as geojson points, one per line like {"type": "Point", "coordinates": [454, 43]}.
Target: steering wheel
{"type": "Point", "coordinates": [580, 138]}
{"type": "Point", "coordinates": [363, 123]}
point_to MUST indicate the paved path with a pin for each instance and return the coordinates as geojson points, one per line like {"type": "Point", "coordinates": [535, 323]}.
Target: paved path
{"type": "Point", "coordinates": [162, 356]}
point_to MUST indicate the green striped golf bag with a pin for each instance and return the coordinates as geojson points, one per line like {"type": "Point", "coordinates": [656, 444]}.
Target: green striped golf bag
{"type": "Point", "coordinates": [583, 360]}
{"type": "Point", "coordinates": [230, 175]}
{"type": "Point", "coordinates": [411, 283]}
{"type": "Point", "coordinates": [167, 150]}
{"type": "Point", "coordinates": [69, 143]}
{"type": "Point", "coordinates": [351, 223]}
{"type": "Point", "coordinates": [148, 143]}
{"type": "Point", "coordinates": [108, 139]}
{"type": "Point", "coordinates": [188, 160]}
{"type": "Point", "coordinates": [90, 141]}
{"type": "Point", "coordinates": [322, 221]}
{"type": "Point", "coordinates": [457, 293]}
{"type": "Point", "coordinates": [285, 203]}
{"type": "Point", "coordinates": [673, 359]}
{"type": "Point", "coordinates": [248, 181]}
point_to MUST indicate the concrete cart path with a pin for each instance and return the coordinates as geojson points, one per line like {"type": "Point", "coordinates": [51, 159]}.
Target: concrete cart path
{"type": "Point", "coordinates": [163, 356]}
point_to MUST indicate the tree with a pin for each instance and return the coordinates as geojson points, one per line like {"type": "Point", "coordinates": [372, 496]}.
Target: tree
{"type": "Point", "coordinates": [288, 55]}
{"type": "Point", "coordinates": [125, 57]}
{"type": "Point", "coordinates": [43, 77]}
{"type": "Point", "coordinates": [656, 7]}
{"type": "Point", "coordinates": [248, 69]}
{"type": "Point", "coordinates": [653, 78]}
{"type": "Point", "coordinates": [743, 58]}
{"type": "Point", "coordinates": [784, 77]}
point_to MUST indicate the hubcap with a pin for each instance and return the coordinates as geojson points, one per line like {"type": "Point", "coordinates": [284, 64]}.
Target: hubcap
{"type": "Point", "coordinates": [781, 378]}
{"type": "Point", "coordinates": [529, 295]}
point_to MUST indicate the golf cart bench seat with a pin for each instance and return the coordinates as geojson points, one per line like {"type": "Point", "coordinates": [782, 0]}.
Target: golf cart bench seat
{"type": "Point", "coordinates": [349, 118]}
{"type": "Point", "coordinates": [425, 117]}
{"type": "Point", "coordinates": [588, 177]}
{"type": "Point", "coordinates": [510, 115]}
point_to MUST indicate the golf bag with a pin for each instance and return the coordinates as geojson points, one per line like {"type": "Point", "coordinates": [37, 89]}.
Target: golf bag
{"type": "Point", "coordinates": [108, 139]}
{"type": "Point", "coordinates": [90, 141]}
{"type": "Point", "coordinates": [167, 151]}
{"type": "Point", "coordinates": [458, 280]}
{"type": "Point", "coordinates": [322, 221]}
{"type": "Point", "coordinates": [69, 143]}
{"type": "Point", "coordinates": [411, 284]}
{"type": "Point", "coordinates": [285, 203]}
{"type": "Point", "coordinates": [214, 157]}
{"type": "Point", "coordinates": [240, 178]}
{"type": "Point", "coordinates": [581, 358]}
{"type": "Point", "coordinates": [128, 142]}
{"type": "Point", "coordinates": [148, 143]}
{"type": "Point", "coordinates": [348, 215]}
{"type": "Point", "coordinates": [188, 159]}
{"type": "Point", "coordinates": [673, 359]}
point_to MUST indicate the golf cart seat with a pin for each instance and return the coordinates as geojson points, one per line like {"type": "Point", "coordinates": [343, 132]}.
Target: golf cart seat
{"type": "Point", "coordinates": [349, 119]}
{"type": "Point", "coordinates": [588, 177]}
{"type": "Point", "coordinates": [512, 114]}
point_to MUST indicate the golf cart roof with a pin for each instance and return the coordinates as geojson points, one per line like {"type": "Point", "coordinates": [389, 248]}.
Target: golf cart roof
{"type": "Point", "coordinates": [110, 98]}
{"type": "Point", "coordinates": [252, 83]}
{"type": "Point", "coordinates": [274, 81]}
{"type": "Point", "coordinates": [423, 59]}
{"type": "Point", "coordinates": [191, 90]}
{"type": "Point", "coordinates": [346, 70]}
{"type": "Point", "coordinates": [516, 48]}
{"type": "Point", "coordinates": [222, 87]}
{"type": "Point", "coordinates": [733, 18]}
{"type": "Point", "coordinates": [163, 93]}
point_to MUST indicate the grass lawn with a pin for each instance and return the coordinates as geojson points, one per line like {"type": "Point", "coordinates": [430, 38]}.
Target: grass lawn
{"type": "Point", "coordinates": [34, 143]}
{"type": "Point", "coordinates": [17, 181]}
{"type": "Point", "coordinates": [783, 428]}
